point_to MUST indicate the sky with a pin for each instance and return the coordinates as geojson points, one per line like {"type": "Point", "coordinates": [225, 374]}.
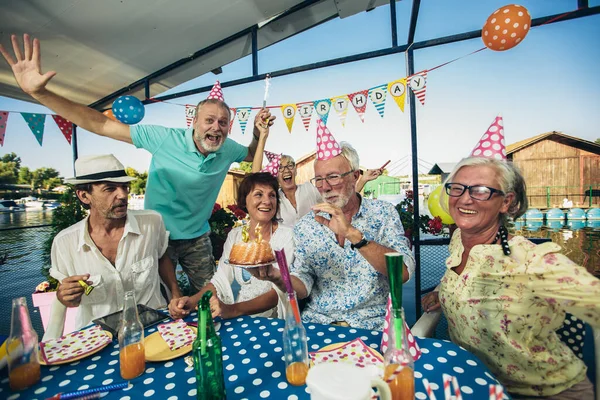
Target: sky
{"type": "Point", "coordinates": [549, 82]}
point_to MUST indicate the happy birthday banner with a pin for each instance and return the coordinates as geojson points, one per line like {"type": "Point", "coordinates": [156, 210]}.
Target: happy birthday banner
{"type": "Point", "coordinates": [36, 123]}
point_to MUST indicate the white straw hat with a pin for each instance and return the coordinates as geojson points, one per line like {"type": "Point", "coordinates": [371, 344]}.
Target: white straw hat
{"type": "Point", "coordinates": [99, 168]}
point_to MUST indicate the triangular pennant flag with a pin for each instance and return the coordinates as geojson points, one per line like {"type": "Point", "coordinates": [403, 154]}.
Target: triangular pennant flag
{"type": "Point", "coordinates": [190, 113]}
{"type": "Point", "coordinates": [359, 101]}
{"type": "Point", "coordinates": [322, 107]}
{"type": "Point", "coordinates": [378, 95]}
{"type": "Point", "coordinates": [289, 113]}
{"type": "Point", "coordinates": [3, 120]}
{"type": "Point", "coordinates": [491, 144]}
{"type": "Point", "coordinates": [65, 126]}
{"type": "Point", "coordinates": [397, 90]}
{"type": "Point", "coordinates": [340, 105]}
{"type": "Point", "coordinates": [418, 84]}
{"type": "Point", "coordinates": [36, 123]}
{"type": "Point", "coordinates": [305, 110]}
{"type": "Point", "coordinates": [233, 113]}
{"type": "Point", "coordinates": [243, 115]}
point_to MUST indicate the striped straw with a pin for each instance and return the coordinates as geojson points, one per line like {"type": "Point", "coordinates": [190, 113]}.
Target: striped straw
{"type": "Point", "coordinates": [492, 392]}
{"type": "Point", "coordinates": [447, 380]}
{"type": "Point", "coordinates": [394, 374]}
{"type": "Point", "coordinates": [499, 392]}
{"type": "Point", "coordinates": [86, 392]}
{"type": "Point", "coordinates": [456, 388]}
{"type": "Point", "coordinates": [428, 389]}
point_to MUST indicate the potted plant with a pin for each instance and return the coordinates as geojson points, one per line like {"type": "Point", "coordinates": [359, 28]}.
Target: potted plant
{"type": "Point", "coordinates": [221, 222]}
{"type": "Point", "coordinates": [427, 224]}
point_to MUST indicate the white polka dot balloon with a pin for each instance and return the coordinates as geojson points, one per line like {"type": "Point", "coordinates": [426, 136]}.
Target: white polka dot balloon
{"type": "Point", "coordinates": [506, 27]}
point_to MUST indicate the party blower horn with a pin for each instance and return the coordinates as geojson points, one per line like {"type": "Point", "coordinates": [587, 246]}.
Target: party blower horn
{"type": "Point", "coordinates": [394, 262]}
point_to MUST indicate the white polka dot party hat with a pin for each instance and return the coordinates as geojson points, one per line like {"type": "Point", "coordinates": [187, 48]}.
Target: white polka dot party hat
{"type": "Point", "coordinates": [216, 92]}
{"type": "Point", "coordinates": [273, 166]}
{"type": "Point", "coordinates": [491, 144]}
{"type": "Point", "coordinates": [327, 146]}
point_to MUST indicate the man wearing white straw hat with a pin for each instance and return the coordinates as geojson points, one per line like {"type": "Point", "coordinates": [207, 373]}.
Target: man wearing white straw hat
{"type": "Point", "coordinates": [188, 166]}
{"type": "Point", "coordinates": [109, 252]}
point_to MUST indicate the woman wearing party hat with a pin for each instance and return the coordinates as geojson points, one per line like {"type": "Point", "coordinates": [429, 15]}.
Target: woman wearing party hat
{"type": "Point", "coordinates": [504, 297]}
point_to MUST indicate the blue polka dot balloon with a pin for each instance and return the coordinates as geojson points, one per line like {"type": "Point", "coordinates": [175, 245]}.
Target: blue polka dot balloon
{"type": "Point", "coordinates": [128, 109]}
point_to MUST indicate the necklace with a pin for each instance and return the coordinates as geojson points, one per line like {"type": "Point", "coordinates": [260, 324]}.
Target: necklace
{"type": "Point", "coordinates": [502, 236]}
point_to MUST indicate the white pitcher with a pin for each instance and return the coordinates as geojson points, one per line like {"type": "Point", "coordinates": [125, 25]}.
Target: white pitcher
{"type": "Point", "coordinates": [341, 381]}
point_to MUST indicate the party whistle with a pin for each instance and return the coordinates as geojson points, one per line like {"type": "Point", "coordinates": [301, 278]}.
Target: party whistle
{"type": "Point", "coordinates": [88, 288]}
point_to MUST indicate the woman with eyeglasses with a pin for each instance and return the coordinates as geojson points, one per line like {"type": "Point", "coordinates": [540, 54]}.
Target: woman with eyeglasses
{"type": "Point", "coordinates": [505, 297]}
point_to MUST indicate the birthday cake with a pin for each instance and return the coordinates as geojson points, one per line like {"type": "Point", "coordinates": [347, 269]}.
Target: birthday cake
{"type": "Point", "coordinates": [251, 253]}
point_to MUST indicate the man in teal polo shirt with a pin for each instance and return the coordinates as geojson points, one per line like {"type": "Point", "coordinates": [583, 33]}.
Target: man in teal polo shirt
{"type": "Point", "coordinates": [187, 168]}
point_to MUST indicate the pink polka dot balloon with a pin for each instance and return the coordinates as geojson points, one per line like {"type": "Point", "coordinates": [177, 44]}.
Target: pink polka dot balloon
{"type": "Point", "coordinates": [506, 27]}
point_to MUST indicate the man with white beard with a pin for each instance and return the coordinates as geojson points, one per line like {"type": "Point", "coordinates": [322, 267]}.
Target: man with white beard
{"type": "Point", "coordinates": [340, 245]}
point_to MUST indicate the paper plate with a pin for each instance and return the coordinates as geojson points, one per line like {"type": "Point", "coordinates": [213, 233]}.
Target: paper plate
{"type": "Point", "coordinates": [249, 266]}
{"type": "Point", "coordinates": [80, 357]}
{"type": "Point", "coordinates": [156, 349]}
{"type": "Point", "coordinates": [346, 352]}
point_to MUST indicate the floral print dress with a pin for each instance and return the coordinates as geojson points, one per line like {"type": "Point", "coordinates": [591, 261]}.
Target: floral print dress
{"type": "Point", "coordinates": [506, 309]}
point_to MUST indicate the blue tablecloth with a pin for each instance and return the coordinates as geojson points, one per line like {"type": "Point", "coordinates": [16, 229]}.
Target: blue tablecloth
{"type": "Point", "coordinates": [253, 367]}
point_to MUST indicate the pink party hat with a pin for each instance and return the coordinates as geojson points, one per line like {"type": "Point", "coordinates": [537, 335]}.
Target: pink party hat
{"type": "Point", "coordinates": [327, 146]}
{"type": "Point", "coordinates": [491, 144]}
{"type": "Point", "coordinates": [216, 92]}
{"type": "Point", "coordinates": [273, 166]}
{"type": "Point", "coordinates": [413, 346]}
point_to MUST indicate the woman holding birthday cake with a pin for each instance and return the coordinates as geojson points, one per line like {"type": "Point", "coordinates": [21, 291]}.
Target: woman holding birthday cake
{"type": "Point", "coordinates": [246, 246]}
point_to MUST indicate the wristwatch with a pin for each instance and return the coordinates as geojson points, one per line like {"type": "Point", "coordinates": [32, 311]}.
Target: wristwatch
{"type": "Point", "coordinates": [362, 242]}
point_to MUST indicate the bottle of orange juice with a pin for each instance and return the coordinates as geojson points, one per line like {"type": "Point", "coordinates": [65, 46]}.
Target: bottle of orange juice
{"type": "Point", "coordinates": [22, 348]}
{"type": "Point", "coordinates": [295, 347]}
{"type": "Point", "coordinates": [132, 358]}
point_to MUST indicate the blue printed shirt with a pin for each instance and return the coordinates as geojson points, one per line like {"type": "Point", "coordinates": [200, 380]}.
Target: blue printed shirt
{"type": "Point", "coordinates": [183, 184]}
{"type": "Point", "coordinates": [342, 284]}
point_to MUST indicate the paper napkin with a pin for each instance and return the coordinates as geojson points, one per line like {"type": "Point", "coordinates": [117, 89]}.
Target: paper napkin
{"type": "Point", "coordinates": [74, 344]}
{"type": "Point", "coordinates": [355, 352]}
{"type": "Point", "coordinates": [177, 334]}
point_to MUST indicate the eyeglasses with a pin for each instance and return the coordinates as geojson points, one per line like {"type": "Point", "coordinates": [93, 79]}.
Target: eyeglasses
{"type": "Point", "coordinates": [333, 179]}
{"type": "Point", "coordinates": [289, 167]}
{"type": "Point", "coordinates": [476, 192]}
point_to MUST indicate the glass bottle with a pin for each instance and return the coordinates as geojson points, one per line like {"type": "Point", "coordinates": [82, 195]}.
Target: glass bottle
{"type": "Point", "coordinates": [294, 344]}
{"type": "Point", "coordinates": [399, 364]}
{"type": "Point", "coordinates": [132, 358]}
{"type": "Point", "coordinates": [208, 355]}
{"type": "Point", "coordinates": [22, 348]}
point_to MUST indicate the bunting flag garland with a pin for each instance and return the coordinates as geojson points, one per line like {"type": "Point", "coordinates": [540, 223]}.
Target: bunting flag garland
{"type": "Point", "coordinates": [359, 101]}
{"type": "Point", "coordinates": [36, 123]}
{"type": "Point", "coordinates": [232, 117]}
{"type": "Point", "coordinates": [289, 113]}
{"type": "Point", "coordinates": [3, 121]}
{"type": "Point", "coordinates": [190, 113]}
{"type": "Point", "coordinates": [378, 95]}
{"type": "Point", "coordinates": [305, 110]}
{"type": "Point", "coordinates": [65, 126]}
{"type": "Point", "coordinates": [243, 115]}
{"type": "Point", "coordinates": [322, 107]}
{"type": "Point", "coordinates": [340, 105]}
{"type": "Point", "coordinates": [418, 84]}
{"type": "Point", "coordinates": [397, 90]}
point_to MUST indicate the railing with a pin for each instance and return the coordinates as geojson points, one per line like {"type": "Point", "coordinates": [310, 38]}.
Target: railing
{"type": "Point", "coordinates": [552, 196]}
{"type": "Point", "coordinates": [21, 264]}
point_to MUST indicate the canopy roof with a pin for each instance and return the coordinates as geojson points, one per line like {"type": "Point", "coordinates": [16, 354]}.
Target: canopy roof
{"type": "Point", "coordinates": [101, 47]}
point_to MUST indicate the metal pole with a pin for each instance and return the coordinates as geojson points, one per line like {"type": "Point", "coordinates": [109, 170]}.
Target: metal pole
{"type": "Point", "coordinates": [410, 67]}
{"type": "Point", "coordinates": [74, 148]}
{"type": "Point", "coordinates": [255, 50]}
{"type": "Point", "coordinates": [394, 23]}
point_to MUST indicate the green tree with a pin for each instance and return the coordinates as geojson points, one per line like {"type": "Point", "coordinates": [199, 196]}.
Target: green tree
{"type": "Point", "coordinates": [597, 141]}
{"type": "Point", "coordinates": [245, 166]}
{"type": "Point", "coordinates": [26, 177]}
{"type": "Point", "coordinates": [12, 157]}
{"type": "Point", "coordinates": [9, 173]}
{"type": "Point", "coordinates": [139, 185]}
{"type": "Point", "coordinates": [44, 178]}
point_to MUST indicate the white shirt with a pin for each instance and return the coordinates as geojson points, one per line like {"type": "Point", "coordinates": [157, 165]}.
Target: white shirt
{"type": "Point", "coordinates": [144, 241]}
{"type": "Point", "coordinates": [306, 196]}
{"type": "Point", "coordinates": [251, 287]}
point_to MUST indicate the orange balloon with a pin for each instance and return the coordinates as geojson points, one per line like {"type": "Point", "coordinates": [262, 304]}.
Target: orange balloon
{"type": "Point", "coordinates": [506, 27]}
{"type": "Point", "coordinates": [110, 114]}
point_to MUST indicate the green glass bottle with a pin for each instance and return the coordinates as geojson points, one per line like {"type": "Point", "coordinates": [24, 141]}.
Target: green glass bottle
{"type": "Point", "coordinates": [208, 357]}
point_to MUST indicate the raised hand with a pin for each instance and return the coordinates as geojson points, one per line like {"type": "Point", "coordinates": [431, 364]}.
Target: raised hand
{"type": "Point", "coordinates": [26, 65]}
{"type": "Point", "coordinates": [338, 223]}
{"type": "Point", "coordinates": [70, 291]}
{"type": "Point", "coordinates": [262, 121]}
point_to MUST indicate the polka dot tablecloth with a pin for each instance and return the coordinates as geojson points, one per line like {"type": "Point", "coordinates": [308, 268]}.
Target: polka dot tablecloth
{"type": "Point", "coordinates": [253, 367]}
